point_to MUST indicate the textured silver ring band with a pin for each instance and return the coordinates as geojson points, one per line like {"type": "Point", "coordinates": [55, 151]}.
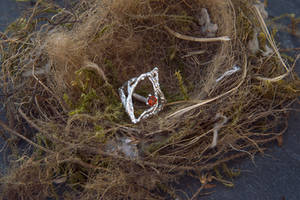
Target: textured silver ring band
{"type": "Point", "coordinates": [156, 101]}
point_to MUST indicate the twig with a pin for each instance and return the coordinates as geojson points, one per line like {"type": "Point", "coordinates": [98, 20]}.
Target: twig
{"type": "Point", "coordinates": [241, 150]}
{"type": "Point", "coordinates": [192, 53]}
{"type": "Point", "coordinates": [3, 125]}
{"type": "Point", "coordinates": [31, 123]}
{"type": "Point", "coordinates": [83, 164]}
{"type": "Point", "coordinates": [273, 45]}
{"type": "Point", "coordinates": [47, 89]}
{"type": "Point", "coordinates": [40, 82]}
{"type": "Point", "coordinates": [278, 78]}
{"type": "Point", "coordinates": [76, 117]}
{"type": "Point", "coordinates": [198, 192]}
{"type": "Point", "coordinates": [290, 49]}
{"type": "Point", "coordinates": [188, 5]}
{"type": "Point", "coordinates": [195, 39]}
{"type": "Point", "coordinates": [203, 102]}
{"type": "Point", "coordinates": [33, 13]}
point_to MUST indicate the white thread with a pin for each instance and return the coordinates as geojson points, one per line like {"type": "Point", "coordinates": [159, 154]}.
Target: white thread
{"type": "Point", "coordinates": [234, 69]}
{"type": "Point", "coordinates": [216, 129]}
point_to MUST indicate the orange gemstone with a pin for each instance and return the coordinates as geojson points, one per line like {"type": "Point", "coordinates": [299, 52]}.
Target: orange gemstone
{"type": "Point", "coordinates": [152, 100]}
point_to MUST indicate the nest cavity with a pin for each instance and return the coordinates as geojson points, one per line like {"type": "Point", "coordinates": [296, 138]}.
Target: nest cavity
{"type": "Point", "coordinates": [227, 88]}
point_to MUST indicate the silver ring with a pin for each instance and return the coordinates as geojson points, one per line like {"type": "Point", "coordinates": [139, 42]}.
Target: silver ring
{"type": "Point", "coordinates": [155, 101]}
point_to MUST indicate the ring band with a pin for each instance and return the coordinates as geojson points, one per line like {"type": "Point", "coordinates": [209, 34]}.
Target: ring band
{"type": "Point", "coordinates": [155, 101]}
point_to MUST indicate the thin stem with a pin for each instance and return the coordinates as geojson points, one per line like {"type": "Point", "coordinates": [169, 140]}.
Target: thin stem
{"type": "Point", "coordinates": [3, 125]}
{"type": "Point", "coordinates": [195, 39]}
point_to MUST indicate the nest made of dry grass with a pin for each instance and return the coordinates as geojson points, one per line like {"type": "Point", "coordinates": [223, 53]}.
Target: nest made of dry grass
{"type": "Point", "coordinates": [61, 79]}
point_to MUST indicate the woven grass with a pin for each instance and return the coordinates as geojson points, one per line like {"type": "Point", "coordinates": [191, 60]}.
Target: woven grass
{"type": "Point", "coordinates": [61, 70]}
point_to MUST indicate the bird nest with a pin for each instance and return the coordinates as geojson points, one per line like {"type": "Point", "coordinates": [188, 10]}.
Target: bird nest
{"type": "Point", "coordinates": [227, 92]}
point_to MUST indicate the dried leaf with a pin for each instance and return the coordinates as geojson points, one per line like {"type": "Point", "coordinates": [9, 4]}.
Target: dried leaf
{"type": "Point", "coordinates": [209, 186]}
{"type": "Point", "coordinates": [279, 140]}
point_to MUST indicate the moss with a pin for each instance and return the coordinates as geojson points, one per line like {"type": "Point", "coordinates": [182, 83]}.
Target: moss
{"type": "Point", "coordinates": [181, 85]}
{"type": "Point", "coordinates": [262, 41]}
{"type": "Point", "coordinates": [67, 99]}
{"type": "Point", "coordinates": [85, 103]}
{"type": "Point", "coordinates": [114, 112]}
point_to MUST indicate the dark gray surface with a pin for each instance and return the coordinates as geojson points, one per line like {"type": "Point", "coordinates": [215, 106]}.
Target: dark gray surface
{"type": "Point", "coordinates": [276, 175]}
{"type": "Point", "coordinates": [8, 12]}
